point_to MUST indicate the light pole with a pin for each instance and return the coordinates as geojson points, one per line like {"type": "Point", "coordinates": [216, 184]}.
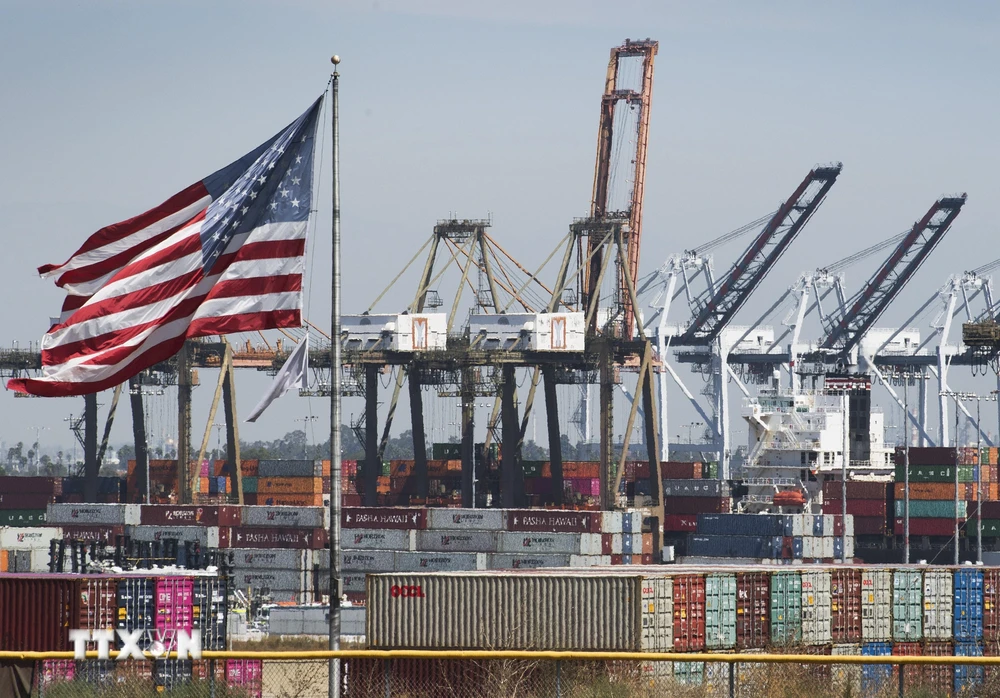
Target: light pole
{"type": "Point", "coordinates": [36, 447]}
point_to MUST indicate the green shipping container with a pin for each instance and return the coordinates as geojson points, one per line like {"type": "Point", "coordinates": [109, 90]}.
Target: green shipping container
{"type": "Point", "coordinates": [446, 451]}
{"type": "Point", "coordinates": [720, 611]}
{"type": "Point", "coordinates": [907, 606]}
{"type": "Point", "coordinates": [250, 485]}
{"type": "Point", "coordinates": [532, 468]}
{"type": "Point", "coordinates": [21, 517]}
{"type": "Point", "coordinates": [786, 608]}
{"type": "Point", "coordinates": [991, 527]}
{"type": "Point", "coordinates": [689, 673]}
{"type": "Point", "coordinates": [936, 473]}
{"type": "Point", "coordinates": [932, 508]}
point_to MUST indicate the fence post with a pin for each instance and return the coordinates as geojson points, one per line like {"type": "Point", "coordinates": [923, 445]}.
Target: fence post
{"type": "Point", "coordinates": [211, 678]}
{"type": "Point", "coordinates": [385, 670]}
{"type": "Point", "coordinates": [900, 681]}
{"type": "Point", "coordinates": [732, 679]}
{"type": "Point", "coordinates": [558, 679]}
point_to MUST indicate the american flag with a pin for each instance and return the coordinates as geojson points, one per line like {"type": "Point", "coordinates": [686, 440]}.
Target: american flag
{"type": "Point", "coordinates": [224, 255]}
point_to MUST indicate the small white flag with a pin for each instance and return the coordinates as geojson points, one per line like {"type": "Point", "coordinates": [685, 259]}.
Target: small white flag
{"type": "Point", "coordinates": [291, 375]}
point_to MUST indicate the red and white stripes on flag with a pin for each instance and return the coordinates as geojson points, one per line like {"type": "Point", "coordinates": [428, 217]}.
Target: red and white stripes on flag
{"type": "Point", "coordinates": [223, 255]}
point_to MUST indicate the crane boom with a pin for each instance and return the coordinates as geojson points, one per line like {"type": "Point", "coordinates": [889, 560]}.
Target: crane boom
{"type": "Point", "coordinates": [865, 307]}
{"type": "Point", "coordinates": [757, 260]}
{"type": "Point", "coordinates": [617, 93]}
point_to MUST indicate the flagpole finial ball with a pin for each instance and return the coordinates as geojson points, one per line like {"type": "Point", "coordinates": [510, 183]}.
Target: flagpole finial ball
{"type": "Point", "coordinates": [335, 60]}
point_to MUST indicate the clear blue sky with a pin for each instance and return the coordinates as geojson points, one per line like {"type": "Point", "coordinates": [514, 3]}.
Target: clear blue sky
{"type": "Point", "coordinates": [476, 108]}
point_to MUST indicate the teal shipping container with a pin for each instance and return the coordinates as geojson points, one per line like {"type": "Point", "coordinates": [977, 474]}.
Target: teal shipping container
{"type": "Point", "coordinates": [720, 611]}
{"type": "Point", "coordinates": [689, 673]}
{"type": "Point", "coordinates": [932, 508]}
{"type": "Point", "coordinates": [249, 485]}
{"type": "Point", "coordinates": [786, 608]}
{"type": "Point", "coordinates": [907, 606]}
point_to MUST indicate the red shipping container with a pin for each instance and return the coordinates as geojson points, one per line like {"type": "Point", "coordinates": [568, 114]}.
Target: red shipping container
{"type": "Point", "coordinates": [189, 515]}
{"type": "Point", "coordinates": [375, 517]}
{"type": "Point", "coordinates": [845, 605]}
{"type": "Point", "coordinates": [855, 490]}
{"type": "Point", "coordinates": [257, 537]}
{"type": "Point", "coordinates": [933, 455]}
{"type": "Point", "coordinates": [12, 484]}
{"type": "Point", "coordinates": [696, 505]}
{"type": "Point", "coordinates": [677, 470]}
{"type": "Point", "coordinates": [838, 525]}
{"type": "Point", "coordinates": [991, 605]}
{"type": "Point", "coordinates": [680, 522]}
{"type": "Point", "coordinates": [991, 510]}
{"type": "Point", "coordinates": [647, 559]}
{"type": "Point", "coordinates": [36, 610]}
{"type": "Point", "coordinates": [927, 527]}
{"type": "Point", "coordinates": [689, 613]}
{"type": "Point", "coordinates": [753, 596]}
{"type": "Point", "coordinates": [940, 676]}
{"type": "Point", "coordinates": [98, 604]}
{"type": "Point", "coordinates": [911, 673]}
{"type": "Point", "coordinates": [550, 521]}
{"type": "Point", "coordinates": [858, 507]}
{"type": "Point", "coordinates": [25, 500]}
{"type": "Point", "coordinates": [869, 526]}
{"type": "Point", "coordinates": [92, 534]}
{"type": "Point", "coordinates": [616, 559]}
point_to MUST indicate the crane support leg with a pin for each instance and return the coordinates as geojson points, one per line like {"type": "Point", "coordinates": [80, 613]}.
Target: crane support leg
{"type": "Point", "coordinates": [91, 467]}
{"type": "Point", "coordinates": [468, 442]}
{"type": "Point", "coordinates": [184, 388]}
{"type": "Point", "coordinates": [555, 438]}
{"type": "Point", "coordinates": [373, 462]}
{"type": "Point", "coordinates": [511, 475]}
{"type": "Point", "coordinates": [419, 436]}
{"type": "Point", "coordinates": [139, 439]}
{"type": "Point", "coordinates": [653, 452]}
{"type": "Point", "coordinates": [607, 424]}
{"type": "Point", "coordinates": [232, 428]}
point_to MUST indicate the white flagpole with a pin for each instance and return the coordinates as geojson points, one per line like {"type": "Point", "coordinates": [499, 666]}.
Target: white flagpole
{"type": "Point", "coordinates": [335, 406]}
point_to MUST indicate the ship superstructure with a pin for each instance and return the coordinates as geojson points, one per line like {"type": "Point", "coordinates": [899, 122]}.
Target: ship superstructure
{"type": "Point", "coordinates": [799, 439]}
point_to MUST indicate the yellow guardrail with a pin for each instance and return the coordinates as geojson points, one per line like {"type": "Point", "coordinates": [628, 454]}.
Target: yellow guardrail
{"type": "Point", "coordinates": [734, 657]}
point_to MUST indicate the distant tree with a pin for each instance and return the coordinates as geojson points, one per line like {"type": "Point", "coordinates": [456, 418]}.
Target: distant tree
{"type": "Point", "coordinates": [126, 453]}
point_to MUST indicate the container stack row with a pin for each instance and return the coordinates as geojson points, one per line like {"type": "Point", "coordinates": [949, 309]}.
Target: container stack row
{"type": "Point", "coordinates": [416, 540]}
{"type": "Point", "coordinates": [806, 537]}
{"type": "Point", "coordinates": [242, 677]}
{"type": "Point", "coordinates": [817, 610]}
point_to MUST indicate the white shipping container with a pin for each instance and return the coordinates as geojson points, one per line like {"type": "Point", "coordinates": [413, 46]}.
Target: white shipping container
{"type": "Point", "coordinates": [938, 602]}
{"type": "Point", "coordinates": [439, 562]}
{"type": "Point", "coordinates": [378, 539]}
{"type": "Point", "coordinates": [460, 542]}
{"type": "Point", "coordinates": [876, 605]}
{"type": "Point", "coordinates": [589, 560]}
{"type": "Point", "coordinates": [636, 543]}
{"type": "Point", "coordinates": [108, 514]}
{"type": "Point", "coordinates": [816, 608]}
{"type": "Point", "coordinates": [591, 544]}
{"type": "Point", "coordinates": [616, 543]}
{"type": "Point", "coordinates": [527, 542]}
{"type": "Point", "coordinates": [846, 678]}
{"type": "Point", "coordinates": [28, 538]}
{"type": "Point", "coordinates": [828, 524]}
{"type": "Point", "coordinates": [566, 611]}
{"type": "Point", "coordinates": [798, 525]}
{"type": "Point", "coordinates": [849, 547]}
{"type": "Point", "coordinates": [809, 547]}
{"type": "Point", "coordinates": [849, 525]}
{"type": "Point", "coordinates": [827, 547]}
{"type": "Point", "coordinates": [207, 536]}
{"type": "Point", "coordinates": [515, 561]}
{"type": "Point", "coordinates": [368, 560]}
{"type": "Point", "coordinates": [467, 519]}
{"type": "Point", "coordinates": [657, 614]}
{"type": "Point", "coordinates": [611, 521]}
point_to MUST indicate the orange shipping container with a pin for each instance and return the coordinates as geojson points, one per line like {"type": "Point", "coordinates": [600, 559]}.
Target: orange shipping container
{"type": "Point", "coordinates": [292, 500]}
{"type": "Point", "coordinates": [250, 467]}
{"type": "Point", "coordinates": [290, 485]}
{"type": "Point", "coordinates": [326, 468]}
{"type": "Point", "coordinates": [929, 490]}
{"type": "Point", "coordinates": [3, 560]}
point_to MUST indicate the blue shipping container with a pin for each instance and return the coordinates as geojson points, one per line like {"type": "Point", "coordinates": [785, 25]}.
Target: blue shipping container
{"type": "Point", "coordinates": [875, 677]}
{"type": "Point", "coordinates": [968, 676]}
{"type": "Point", "coordinates": [797, 547]}
{"type": "Point", "coordinates": [818, 525]}
{"type": "Point", "coordinates": [968, 607]}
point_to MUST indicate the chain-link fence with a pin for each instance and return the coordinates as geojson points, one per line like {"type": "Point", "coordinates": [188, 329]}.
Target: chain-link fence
{"type": "Point", "coordinates": [741, 675]}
